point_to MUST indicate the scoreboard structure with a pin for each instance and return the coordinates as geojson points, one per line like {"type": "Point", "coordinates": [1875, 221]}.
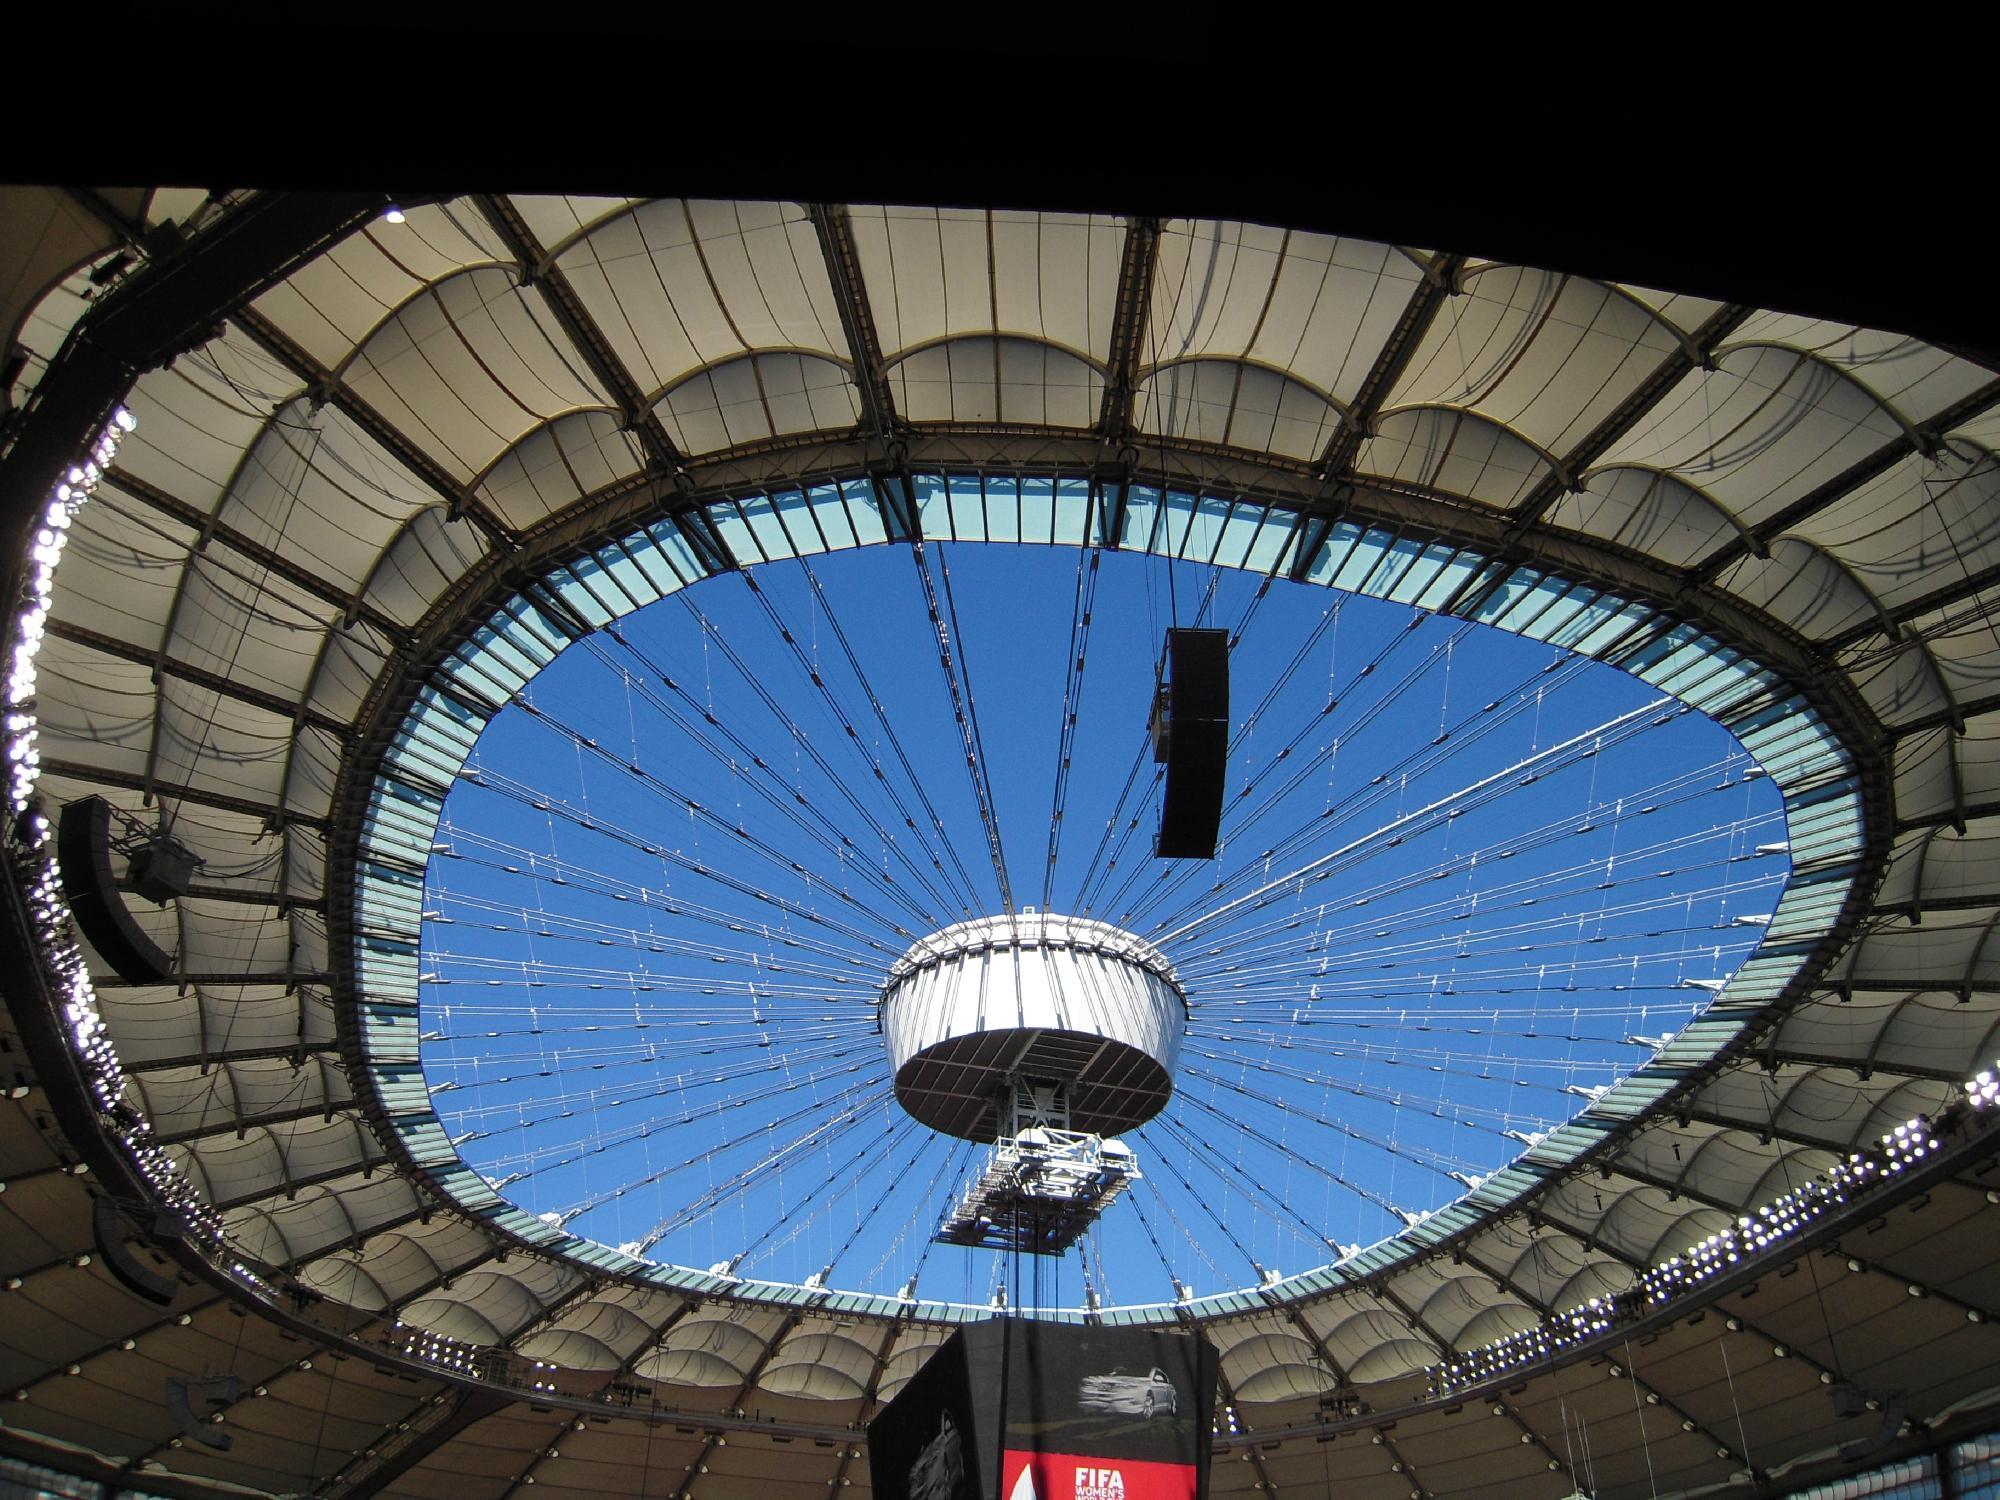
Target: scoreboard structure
{"type": "Point", "coordinates": [1013, 1409]}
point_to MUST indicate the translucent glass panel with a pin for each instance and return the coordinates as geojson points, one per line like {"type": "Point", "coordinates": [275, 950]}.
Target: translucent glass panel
{"type": "Point", "coordinates": [1913, 1479]}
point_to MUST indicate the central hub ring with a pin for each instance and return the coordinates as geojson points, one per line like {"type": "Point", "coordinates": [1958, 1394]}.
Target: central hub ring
{"type": "Point", "coordinates": [974, 1008]}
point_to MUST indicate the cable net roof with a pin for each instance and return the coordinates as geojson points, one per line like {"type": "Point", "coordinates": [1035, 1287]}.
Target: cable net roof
{"type": "Point", "coordinates": [272, 618]}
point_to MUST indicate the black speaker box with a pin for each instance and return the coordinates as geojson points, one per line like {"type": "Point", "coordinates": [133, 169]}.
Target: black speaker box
{"type": "Point", "coordinates": [1193, 733]}
{"type": "Point", "coordinates": [142, 1280]}
{"type": "Point", "coordinates": [216, 1392]}
{"type": "Point", "coordinates": [83, 849]}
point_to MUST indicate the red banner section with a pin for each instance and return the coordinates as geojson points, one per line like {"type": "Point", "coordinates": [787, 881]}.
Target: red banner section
{"type": "Point", "coordinates": [1076, 1476]}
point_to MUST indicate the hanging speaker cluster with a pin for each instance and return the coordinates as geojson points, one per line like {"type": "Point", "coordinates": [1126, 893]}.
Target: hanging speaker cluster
{"type": "Point", "coordinates": [1191, 739]}
{"type": "Point", "coordinates": [160, 867]}
{"type": "Point", "coordinates": [216, 1394]}
{"type": "Point", "coordinates": [108, 1229]}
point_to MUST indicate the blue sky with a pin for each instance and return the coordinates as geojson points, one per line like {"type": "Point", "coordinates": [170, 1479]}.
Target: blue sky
{"type": "Point", "coordinates": [683, 865]}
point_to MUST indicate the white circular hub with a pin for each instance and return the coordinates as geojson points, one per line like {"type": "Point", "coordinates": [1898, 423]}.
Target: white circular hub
{"type": "Point", "coordinates": [1035, 996]}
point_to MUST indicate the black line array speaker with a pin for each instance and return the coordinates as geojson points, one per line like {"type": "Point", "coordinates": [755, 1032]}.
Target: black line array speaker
{"type": "Point", "coordinates": [216, 1393]}
{"type": "Point", "coordinates": [1191, 736]}
{"type": "Point", "coordinates": [83, 849]}
{"type": "Point", "coordinates": [142, 1280]}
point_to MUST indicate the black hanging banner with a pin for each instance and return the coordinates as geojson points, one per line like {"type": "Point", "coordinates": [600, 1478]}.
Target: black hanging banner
{"type": "Point", "coordinates": [1014, 1409]}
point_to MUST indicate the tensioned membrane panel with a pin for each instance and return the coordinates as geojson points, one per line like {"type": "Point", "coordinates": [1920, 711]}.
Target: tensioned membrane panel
{"type": "Point", "coordinates": [1057, 999]}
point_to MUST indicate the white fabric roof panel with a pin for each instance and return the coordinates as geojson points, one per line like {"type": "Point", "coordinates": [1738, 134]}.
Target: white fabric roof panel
{"type": "Point", "coordinates": [431, 552]}
{"type": "Point", "coordinates": [232, 1170]}
{"type": "Point", "coordinates": [205, 741]}
{"type": "Point", "coordinates": [1834, 1107]}
{"type": "Point", "coordinates": [1927, 768]}
{"type": "Point", "coordinates": [1275, 1363]}
{"type": "Point", "coordinates": [1977, 758]}
{"type": "Point", "coordinates": [484, 1307]}
{"type": "Point", "coordinates": [709, 1351]}
{"type": "Point", "coordinates": [95, 708]}
{"type": "Point", "coordinates": [996, 380]}
{"type": "Point", "coordinates": [1963, 652]}
{"type": "Point", "coordinates": [1317, 307]}
{"type": "Point", "coordinates": [757, 397]}
{"type": "Point", "coordinates": [469, 367]}
{"type": "Point", "coordinates": [220, 936]}
{"type": "Point", "coordinates": [555, 220]}
{"type": "Point", "coordinates": [1811, 590]}
{"type": "Point", "coordinates": [121, 570]}
{"type": "Point", "coordinates": [171, 205]}
{"type": "Point", "coordinates": [594, 1335]}
{"type": "Point", "coordinates": [1925, 1031]}
{"type": "Point", "coordinates": [316, 466]}
{"type": "Point", "coordinates": [1680, 310]}
{"type": "Point", "coordinates": [1543, 1261]}
{"type": "Point", "coordinates": [349, 659]}
{"type": "Point", "coordinates": [823, 1366]}
{"type": "Point", "coordinates": [557, 464]}
{"type": "Point", "coordinates": [331, 306]}
{"type": "Point", "coordinates": [337, 1214]}
{"type": "Point", "coordinates": [1648, 510]}
{"type": "Point", "coordinates": [1238, 405]}
{"type": "Point", "coordinates": [676, 286]}
{"type": "Point", "coordinates": [1369, 1342]}
{"type": "Point", "coordinates": [1940, 866]}
{"type": "Point", "coordinates": [1918, 381]}
{"type": "Point", "coordinates": [51, 234]}
{"type": "Point", "coordinates": [1455, 451]}
{"type": "Point", "coordinates": [1675, 1155]}
{"type": "Point", "coordinates": [403, 1262]}
{"type": "Point", "coordinates": [284, 1233]}
{"type": "Point", "coordinates": [190, 1100]}
{"type": "Point", "coordinates": [1956, 953]}
{"type": "Point", "coordinates": [155, 1023]}
{"type": "Point", "coordinates": [47, 321]}
{"type": "Point", "coordinates": [1640, 1222]}
{"type": "Point", "coordinates": [1929, 521]}
{"type": "Point", "coordinates": [914, 1347]}
{"type": "Point", "coordinates": [1546, 355]}
{"type": "Point", "coordinates": [1759, 431]}
{"type": "Point", "coordinates": [312, 772]}
{"type": "Point", "coordinates": [1980, 431]}
{"type": "Point", "coordinates": [262, 631]}
{"type": "Point", "coordinates": [217, 400]}
{"type": "Point", "coordinates": [1450, 1300]}
{"type": "Point", "coordinates": [1902, 684]}
{"type": "Point", "coordinates": [934, 274]}
{"type": "Point", "coordinates": [235, 845]}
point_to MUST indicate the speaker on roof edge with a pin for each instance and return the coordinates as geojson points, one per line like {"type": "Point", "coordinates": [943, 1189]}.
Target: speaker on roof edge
{"type": "Point", "coordinates": [1191, 736]}
{"type": "Point", "coordinates": [216, 1392]}
{"type": "Point", "coordinates": [83, 848]}
{"type": "Point", "coordinates": [142, 1280]}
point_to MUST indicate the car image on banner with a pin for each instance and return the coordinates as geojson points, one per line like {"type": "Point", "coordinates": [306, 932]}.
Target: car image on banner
{"type": "Point", "coordinates": [1148, 1395]}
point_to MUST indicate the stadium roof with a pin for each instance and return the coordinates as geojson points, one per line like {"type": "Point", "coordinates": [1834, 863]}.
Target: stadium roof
{"type": "Point", "coordinates": [1789, 522]}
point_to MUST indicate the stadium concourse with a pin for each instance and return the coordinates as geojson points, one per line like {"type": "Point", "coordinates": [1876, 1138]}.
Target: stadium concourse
{"type": "Point", "coordinates": [305, 490]}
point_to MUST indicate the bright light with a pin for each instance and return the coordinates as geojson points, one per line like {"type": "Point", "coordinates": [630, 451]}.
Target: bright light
{"type": "Point", "coordinates": [1774, 1224]}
